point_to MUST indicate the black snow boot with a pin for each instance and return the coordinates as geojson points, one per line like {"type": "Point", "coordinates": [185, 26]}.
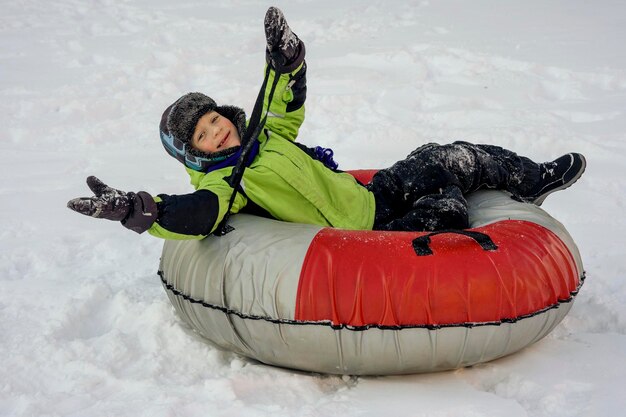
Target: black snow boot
{"type": "Point", "coordinates": [554, 176]}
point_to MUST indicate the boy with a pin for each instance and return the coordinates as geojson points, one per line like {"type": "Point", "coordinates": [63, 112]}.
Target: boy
{"type": "Point", "coordinates": [290, 182]}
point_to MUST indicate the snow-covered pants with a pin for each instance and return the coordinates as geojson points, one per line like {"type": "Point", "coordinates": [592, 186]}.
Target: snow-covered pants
{"type": "Point", "coordinates": [426, 190]}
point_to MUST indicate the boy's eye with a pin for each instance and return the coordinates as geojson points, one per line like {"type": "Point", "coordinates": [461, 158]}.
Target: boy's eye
{"type": "Point", "coordinates": [215, 119]}
{"type": "Point", "coordinates": [200, 137]}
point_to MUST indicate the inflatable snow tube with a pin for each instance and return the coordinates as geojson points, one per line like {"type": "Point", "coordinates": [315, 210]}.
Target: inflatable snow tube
{"type": "Point", "coordinates": [373, 303]}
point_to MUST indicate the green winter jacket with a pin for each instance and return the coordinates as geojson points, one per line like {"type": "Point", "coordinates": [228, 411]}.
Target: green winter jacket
{"type": "Point", "coordinates": [284, 180]}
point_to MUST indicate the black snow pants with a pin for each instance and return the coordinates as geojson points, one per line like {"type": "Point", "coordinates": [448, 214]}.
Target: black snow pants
{"type": "Point", "coordinates": [425, 191]}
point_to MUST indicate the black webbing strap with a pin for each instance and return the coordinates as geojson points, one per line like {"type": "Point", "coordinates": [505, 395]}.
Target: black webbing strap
{"type": "Point", "coordinates": [420, 244]}
{"type": "Point", "coordinates": [250, 137]}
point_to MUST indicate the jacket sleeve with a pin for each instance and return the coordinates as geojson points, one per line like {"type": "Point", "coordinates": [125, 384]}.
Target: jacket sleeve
{"type": "Point", "coordinates": [286, 111]}
{"type": "Point", "coordinates": [195, 215]}
{"type": "Point", "coordinates": [187, 216]}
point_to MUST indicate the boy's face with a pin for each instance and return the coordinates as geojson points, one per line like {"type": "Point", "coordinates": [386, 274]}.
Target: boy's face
{"type": "Point", "coordinates": [214, 133]}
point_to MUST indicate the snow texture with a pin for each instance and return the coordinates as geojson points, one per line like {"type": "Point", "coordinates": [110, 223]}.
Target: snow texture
{"type": "Point", "coordinates": [86, 327]}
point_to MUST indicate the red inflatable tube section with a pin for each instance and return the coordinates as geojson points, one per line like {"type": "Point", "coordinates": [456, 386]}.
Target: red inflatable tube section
{"type": "Point", "coordinates": [364, 176]}
{"type": "Point", "coordinates": [365, 278]}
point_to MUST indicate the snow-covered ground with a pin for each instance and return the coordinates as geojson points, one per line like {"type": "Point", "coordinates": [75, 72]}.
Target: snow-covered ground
{"type": "Point", "coordinates": [85, 326]}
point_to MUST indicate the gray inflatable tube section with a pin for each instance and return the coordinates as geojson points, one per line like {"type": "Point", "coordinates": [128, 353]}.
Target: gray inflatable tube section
{"type": "Point", "coordinates": [238, 292]}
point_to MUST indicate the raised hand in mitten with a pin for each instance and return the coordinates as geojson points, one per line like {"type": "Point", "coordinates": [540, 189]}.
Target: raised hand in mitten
{"type": "Point", "coordinates": [285, 51]}
{"type": "Point", "coordinates": [136, 211]}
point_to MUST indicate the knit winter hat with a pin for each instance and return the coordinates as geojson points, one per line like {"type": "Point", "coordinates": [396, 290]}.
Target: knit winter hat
{"type": "Point", "coordinates": [179, 122]}
{"type": "Point", "coordinates": [185, 112]}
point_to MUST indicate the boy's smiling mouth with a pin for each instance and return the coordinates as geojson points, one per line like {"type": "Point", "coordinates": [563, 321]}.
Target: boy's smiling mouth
{"type": "Point", "coordinates": [223, 141]}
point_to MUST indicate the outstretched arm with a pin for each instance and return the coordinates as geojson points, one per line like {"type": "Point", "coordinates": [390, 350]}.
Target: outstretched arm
{"type": "Point", "coordinates": [285, 57]}
{"type": "Point", "coordinates": [186, 216]}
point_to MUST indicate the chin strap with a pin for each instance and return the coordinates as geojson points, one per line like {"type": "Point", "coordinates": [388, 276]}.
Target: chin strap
{"type": "Point", "coordinates": [249, 139]}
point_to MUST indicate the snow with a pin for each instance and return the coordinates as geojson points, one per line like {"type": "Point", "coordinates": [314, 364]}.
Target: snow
{"type": "Point", "coordinates": [86, 327]}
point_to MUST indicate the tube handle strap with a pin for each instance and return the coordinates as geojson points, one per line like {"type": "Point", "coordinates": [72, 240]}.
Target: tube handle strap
{"type": "Point", "coordinates": [422, 248]}
{"type": "Point", "coordinates": [250, 137]}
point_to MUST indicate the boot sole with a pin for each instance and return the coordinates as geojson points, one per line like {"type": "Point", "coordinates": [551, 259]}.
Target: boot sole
{"type": "Point", "coordinates": [539, 200]}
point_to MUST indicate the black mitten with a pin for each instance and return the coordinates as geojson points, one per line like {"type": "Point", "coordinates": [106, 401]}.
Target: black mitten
{"type": "Point", "coordinates": [108, 203]}
{"type": "Point", "coordinates": [136, 211]}
{"type": "Point", "coordinates": [285, 51]}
